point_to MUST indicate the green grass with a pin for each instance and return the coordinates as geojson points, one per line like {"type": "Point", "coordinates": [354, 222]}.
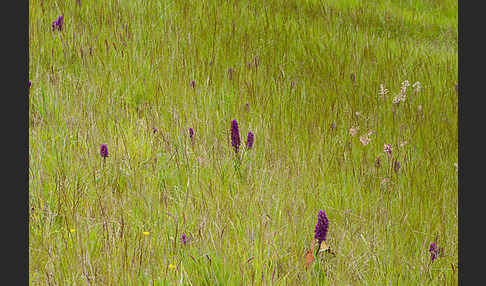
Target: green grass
{"type": "Point", "coordinates": [120, 68]}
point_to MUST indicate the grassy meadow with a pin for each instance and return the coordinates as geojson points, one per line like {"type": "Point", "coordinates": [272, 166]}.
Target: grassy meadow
{"type": "Point", "coordinates": [308, 78]}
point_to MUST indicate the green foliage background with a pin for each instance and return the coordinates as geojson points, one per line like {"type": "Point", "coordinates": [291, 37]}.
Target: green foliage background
{"type": "Point", "coordinates": [119, 68]}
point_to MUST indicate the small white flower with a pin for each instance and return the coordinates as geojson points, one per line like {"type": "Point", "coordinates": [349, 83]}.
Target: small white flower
{"type": "Point", "coordinates": [365, 140]}
{"type": "Point", "coordinates": [354, 130]}
{"type": "Point", "coordinates": [383, 91]}
{"type": "Point", "coordinates": [399, 98]}
{"type": "Point", "coordinates": [405, 84]}
{"type": "Point", "coordinates": [417, 87]}
{"type": "Point", "coordinates": [385, 181]}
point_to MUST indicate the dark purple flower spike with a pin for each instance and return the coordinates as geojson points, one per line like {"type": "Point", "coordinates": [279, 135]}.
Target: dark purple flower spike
{"type": "Point", "coordinates": [191, 134]}
{"type": "Point", "coordinates": [184, 239]}
{"type": "Point", "coordinates": [235, 135]}
{"type": "Point", "coordinates": [396, 166]}
{"type": "Point", "coordinates": [249, 140]}
{"type": "Point", "coordinates": [320, 231]}
{"type": "Point", "coordinates": [104, 151]}
{"type": "Point", "coordinates": [58, 24]}
{"type": "Point", "coordinates": [435, 251]}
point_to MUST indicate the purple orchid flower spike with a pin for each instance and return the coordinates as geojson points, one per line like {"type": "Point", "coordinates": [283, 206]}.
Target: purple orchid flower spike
{"type": "Point", "coordinates": [235, 135]}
